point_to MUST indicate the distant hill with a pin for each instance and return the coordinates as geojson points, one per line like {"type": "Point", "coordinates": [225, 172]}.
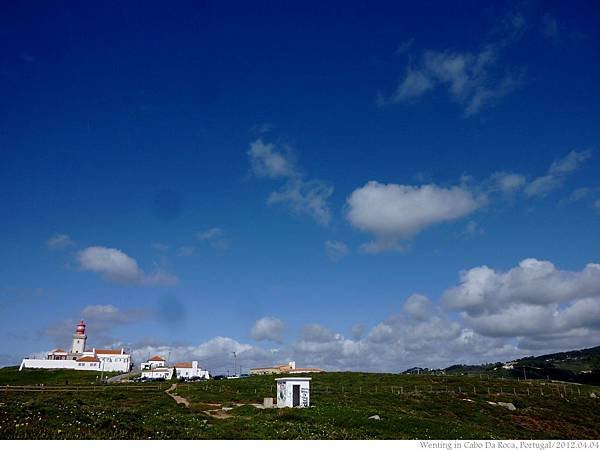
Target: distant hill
{"type": "Point", "coordinates": [578, 366]}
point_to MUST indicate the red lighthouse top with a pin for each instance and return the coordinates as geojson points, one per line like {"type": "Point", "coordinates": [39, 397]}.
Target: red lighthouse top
{"type": "Point", "coordinates": [80, 328]}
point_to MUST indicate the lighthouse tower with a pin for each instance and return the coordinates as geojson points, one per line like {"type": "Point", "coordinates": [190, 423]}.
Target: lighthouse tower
{"type": "Point", "coordinates": [79, 339]}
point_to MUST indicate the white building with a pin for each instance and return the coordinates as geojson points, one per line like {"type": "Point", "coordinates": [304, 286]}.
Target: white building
{"type": "Point", "coordinates": [159, 373]}
{"type": "Point", "coordinates": [155, 369]}
{"type": "Point", "coordinates": [189, 370]}
{"type": "Point", "coordinates": [78, 358]}
{"type": "Point", "coordinates": [153, 363]}
{"type": "Point", "coordinates": [289, 368]}
{"type": "Point", "coordinates": [293, 392]}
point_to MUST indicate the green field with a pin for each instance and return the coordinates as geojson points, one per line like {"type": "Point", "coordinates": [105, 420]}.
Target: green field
{"type": "Point", "coordinates": [410, 407]}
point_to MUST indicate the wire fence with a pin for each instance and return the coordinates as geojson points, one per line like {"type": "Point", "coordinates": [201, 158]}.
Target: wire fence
{"type": "Point", "coordinates": [80, 388]}
{"type": "Point", "coordinates": [539, 390]}
{"type": "Point", "coordinates": [494, 388]}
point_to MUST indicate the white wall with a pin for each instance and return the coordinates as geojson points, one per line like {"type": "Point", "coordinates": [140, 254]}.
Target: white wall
{"type": "Point", "coordinates": [114, 363]}
{"type": "Point", "coordinates": [48, 364]}
{"type": "Point", "coordinates": [164, 375]}
{"type": "Point", "coordinates": [285, 393]}
{"type": "Point", "coordinates": [152, 365]}
{"type": "Point", "coordinates": [58, 364]}
{"type": "Point", "coordinates": [191, 373]}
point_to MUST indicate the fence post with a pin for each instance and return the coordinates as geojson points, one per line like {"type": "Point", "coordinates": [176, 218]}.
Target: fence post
{"type": "Point", "coordinates": [527, 392]}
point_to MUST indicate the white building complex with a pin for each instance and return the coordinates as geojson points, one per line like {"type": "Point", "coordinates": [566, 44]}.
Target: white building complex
{"type": "Point", "coordinates": [78, 358]}
{"type": "Point", "coordinates": [155, 369]}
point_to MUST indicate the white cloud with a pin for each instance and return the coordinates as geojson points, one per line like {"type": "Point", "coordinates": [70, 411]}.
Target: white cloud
{"type": "Point", "coordinates": [316, 333]}
{"type": "Point", "coordinates": [557, 173]}
{"type": "Point", "coordinates": [473, 79]}
{"type": "Point", "coordinates": [214, 354]}
{"type": "Point", "coordinates": [579, 194]}
{"type": "Point", "coordinates": [532, 282]}
{"type": "Point", "coordinates": [59, 242]}
{"type": "Point", "coordinates": [533, 308]}
{"type": "Point", "coordinates": [418, 307]}
{"type": "Point", "coordinates": [266, 162]}
{"type": "Point", "coordinates": [215, 237]}
{"type": "Point", "coordinates": [531, 301]}
{"type": "Point", "coordinates": [336, 250]}
{"type": "Point", "coordinates": [508, 183]}
{"type": "Point", "coordinates": [305, 197]}
{"type": "Point", "coordinates": [268, 329]}
{"type": "Point", "coordinates": [116, 266]}
{"type": "Point", "coordinates": [415, 84]}
{"type": "Point", "coordinates": [395, 212]}
{"type": "Point", "coordinates": [357, 331]}
{"type": "Point", "coordinates": [517, 319]}
{"type": "Point", "coordinates": [301, 196]}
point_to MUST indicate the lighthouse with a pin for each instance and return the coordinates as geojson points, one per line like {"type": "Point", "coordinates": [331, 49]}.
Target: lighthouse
{"type": "Point", "coordinates": [79, 338]}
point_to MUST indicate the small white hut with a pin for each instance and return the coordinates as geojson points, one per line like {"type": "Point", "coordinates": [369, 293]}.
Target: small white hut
{"type": "Point", "coordinates": [293, 392]}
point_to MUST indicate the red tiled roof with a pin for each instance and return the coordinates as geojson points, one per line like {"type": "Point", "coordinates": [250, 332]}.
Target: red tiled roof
{"type": "Point", "coordinates": [88, 359]}
{"type": "Point", "coordinates": [108, 351]}
{"type": "Point", "coordinates": [156, 358]}
{"type": "Point", "coordinates": [58, 350]}
{"type": "Point", "coordinates": [184, 365]}
{"type": "Point", "coordinates": [277, 367]}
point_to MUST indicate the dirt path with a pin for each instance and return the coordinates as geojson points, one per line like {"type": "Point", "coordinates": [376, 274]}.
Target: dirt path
{"type": "Point", "coordinates": [177, 398]}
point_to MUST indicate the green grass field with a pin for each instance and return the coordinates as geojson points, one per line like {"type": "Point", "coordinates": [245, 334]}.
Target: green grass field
{"type": "Point", "coordinates": [410, 407]}
{"type": "Point", "coordinates": [12, 376]}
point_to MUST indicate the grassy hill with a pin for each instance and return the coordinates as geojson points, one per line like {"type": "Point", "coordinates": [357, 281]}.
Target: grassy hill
{"type": "Point", "coordinates": [409, 406]}
{"type": "Point", "coordinates": [578, 366]}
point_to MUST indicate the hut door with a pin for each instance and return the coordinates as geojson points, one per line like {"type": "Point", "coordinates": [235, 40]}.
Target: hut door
{"type": "Point", "coordinates": [296, 395]}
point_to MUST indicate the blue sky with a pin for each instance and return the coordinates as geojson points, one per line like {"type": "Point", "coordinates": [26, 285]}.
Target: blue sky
{"type": "Point", "coordinates": [358, 186]}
